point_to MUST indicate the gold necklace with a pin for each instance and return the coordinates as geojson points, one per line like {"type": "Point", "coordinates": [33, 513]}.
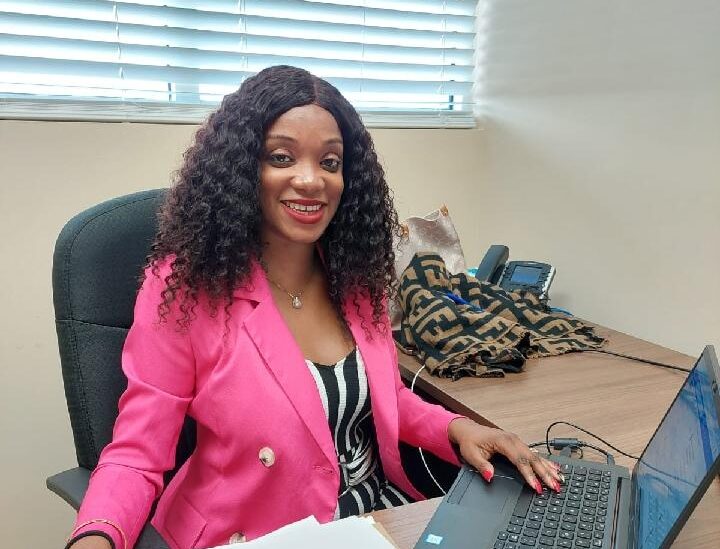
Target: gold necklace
{"type": "Point", "coordinates": [294, 298]}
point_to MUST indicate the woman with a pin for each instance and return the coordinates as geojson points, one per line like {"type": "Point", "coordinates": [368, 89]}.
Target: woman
{"type": "Point", "coordinates": [262, 315]}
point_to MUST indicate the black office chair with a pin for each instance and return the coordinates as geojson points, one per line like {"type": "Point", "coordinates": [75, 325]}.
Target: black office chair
{"type": "Point", "coordinates": [98, 260]}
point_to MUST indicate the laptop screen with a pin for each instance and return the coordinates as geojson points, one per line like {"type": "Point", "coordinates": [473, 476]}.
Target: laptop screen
{"type": "Point", "coordinates": [677, 459]}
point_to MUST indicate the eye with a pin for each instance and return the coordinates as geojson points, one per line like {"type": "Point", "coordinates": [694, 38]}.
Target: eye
{"type": "Point", "coordinates": [331, 164]}
{"type": "Point", "coordinates": [279, 158]}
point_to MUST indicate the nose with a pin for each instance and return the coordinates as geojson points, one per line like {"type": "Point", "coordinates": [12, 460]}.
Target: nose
{"type": "Point", "coordinates": [308, 181]}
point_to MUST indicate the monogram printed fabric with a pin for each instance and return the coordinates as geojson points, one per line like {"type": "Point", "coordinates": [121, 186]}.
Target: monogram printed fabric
{"type": "Point", "coordinates": [495, 333]}
{"type": "Point", "coordinates": [433, 233]}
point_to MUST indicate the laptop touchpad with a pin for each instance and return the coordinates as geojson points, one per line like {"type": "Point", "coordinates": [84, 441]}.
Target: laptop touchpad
{"type": "Point", "coordinates": [491, 497]}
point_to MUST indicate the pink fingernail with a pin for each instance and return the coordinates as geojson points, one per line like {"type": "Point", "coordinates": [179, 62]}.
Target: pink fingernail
{"type": "Point", "coordinates": [487, 475]}
{"type": "Point", "coordinates": [538, 487]}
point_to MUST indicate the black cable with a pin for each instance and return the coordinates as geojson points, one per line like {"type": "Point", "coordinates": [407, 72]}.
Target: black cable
{"type": "Point", "coordinates": [608, 456]}
{"type": "Point", "coordinates": [613, 353]}
{"type": "Point", "coordinates": [568, 445]}
{"type": "Point", "coordinates": [605, 442]}
{"type": "Point", "coordinates": [596, 448]}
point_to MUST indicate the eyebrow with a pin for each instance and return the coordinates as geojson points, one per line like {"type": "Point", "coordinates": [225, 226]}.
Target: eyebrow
{"type": "Point", "coordinates": [283, 137]}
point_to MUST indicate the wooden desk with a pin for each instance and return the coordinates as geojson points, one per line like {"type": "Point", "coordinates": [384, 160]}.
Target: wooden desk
{"type": "Point", "coordinates": [618, 399]}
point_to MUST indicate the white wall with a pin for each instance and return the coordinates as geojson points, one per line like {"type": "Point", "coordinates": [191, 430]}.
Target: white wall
{"type": "Point", "coordinates": [600, 154]}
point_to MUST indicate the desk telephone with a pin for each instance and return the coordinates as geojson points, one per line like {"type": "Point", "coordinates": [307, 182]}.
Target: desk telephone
{"type": "Point", "coordinates": [515, 275]}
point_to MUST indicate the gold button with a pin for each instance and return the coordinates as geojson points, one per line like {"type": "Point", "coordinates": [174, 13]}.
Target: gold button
{"type": "Point", "coordinates": [267, 456]}
{"type": "Point", "coordinates": [237, 537]}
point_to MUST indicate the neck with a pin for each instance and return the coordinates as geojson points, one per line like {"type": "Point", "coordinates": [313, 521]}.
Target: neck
{"type": "Point", "coordinates": [291, 265]}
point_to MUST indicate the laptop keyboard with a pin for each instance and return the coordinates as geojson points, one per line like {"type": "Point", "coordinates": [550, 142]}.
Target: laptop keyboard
{"type": "Point", "coordinates": [575, 517]}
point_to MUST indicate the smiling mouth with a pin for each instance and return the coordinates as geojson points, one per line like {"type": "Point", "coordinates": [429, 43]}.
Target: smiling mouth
{"type": "Point", "coordinates": [303, 208]}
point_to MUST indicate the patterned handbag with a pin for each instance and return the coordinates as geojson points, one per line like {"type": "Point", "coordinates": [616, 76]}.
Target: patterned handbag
{"type": "Point", "coordinates": [434, 233]}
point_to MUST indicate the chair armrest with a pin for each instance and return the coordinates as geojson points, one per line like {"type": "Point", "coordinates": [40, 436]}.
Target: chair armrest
{"type": "Point", "coordinates": [70, 485]}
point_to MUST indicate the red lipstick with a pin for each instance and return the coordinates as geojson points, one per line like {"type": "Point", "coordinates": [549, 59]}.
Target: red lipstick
{"type": "Point", "coordinates": [305, 217]}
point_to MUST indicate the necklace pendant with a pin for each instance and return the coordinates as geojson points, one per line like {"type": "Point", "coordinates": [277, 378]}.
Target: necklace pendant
{"type": "Point", "coordinates": [296, 302]}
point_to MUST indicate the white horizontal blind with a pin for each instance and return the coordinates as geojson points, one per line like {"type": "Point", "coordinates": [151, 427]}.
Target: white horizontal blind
{"type": "Point", "coordinates": [400, 62]}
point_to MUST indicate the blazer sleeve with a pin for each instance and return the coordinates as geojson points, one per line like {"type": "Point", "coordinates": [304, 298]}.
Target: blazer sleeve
{"type": "Point", "coordinates": [422, 424]}
{"type": "Point", "coordinates": [159, 363]}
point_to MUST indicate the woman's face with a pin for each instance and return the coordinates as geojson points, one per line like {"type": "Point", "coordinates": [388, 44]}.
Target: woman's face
{"type": "Point", "coordinates": [301, 175]}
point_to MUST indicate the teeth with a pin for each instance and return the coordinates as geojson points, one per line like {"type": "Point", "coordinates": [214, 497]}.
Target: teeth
{"type": "Point", "coordinates": [302, 207]}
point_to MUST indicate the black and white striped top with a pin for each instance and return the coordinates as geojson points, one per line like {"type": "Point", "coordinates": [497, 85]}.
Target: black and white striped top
{"type": "Point", "coordinates": [344, 393]}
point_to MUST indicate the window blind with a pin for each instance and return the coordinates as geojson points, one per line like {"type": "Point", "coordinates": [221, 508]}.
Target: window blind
{"type": "Point", "coordinates": [400, 62]}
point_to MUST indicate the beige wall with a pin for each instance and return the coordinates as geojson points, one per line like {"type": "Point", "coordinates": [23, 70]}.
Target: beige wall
{"type": "Point", "coordinates": [599, 154]}
{"type": "Point", "coordinates": [52, 170]}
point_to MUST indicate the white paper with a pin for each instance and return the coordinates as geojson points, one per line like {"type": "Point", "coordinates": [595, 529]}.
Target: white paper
{"type": "Point", "coordinates": [348, 533]}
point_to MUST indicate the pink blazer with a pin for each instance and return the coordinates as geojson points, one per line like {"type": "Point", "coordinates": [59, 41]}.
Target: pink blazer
{"type": "Point", "coordinates": [265, 456]}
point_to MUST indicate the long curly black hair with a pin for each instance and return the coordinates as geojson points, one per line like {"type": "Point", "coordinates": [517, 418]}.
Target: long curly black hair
{"type": "Point", "coordinates": [210, 223]}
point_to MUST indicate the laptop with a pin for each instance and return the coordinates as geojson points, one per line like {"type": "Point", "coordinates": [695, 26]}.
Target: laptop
{"type": "Point", "coordinates": [599, 505]}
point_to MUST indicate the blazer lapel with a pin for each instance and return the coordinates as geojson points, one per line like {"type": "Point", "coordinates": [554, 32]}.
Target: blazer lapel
{"type": "Point", "coordinates": [285, 361]}
{"type": "Point", "coordinates": [379, 371]}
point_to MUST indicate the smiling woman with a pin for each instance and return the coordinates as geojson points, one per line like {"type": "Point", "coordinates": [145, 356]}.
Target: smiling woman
{"type": "Point", "coordinates": [262, 315]}
{"type": "Point", "coordinates": [301, 180]}
{"type": "Point", "coordinates": [307, 143]}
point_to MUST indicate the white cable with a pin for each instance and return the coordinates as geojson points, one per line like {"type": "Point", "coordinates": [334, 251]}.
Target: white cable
{"type": "Point", "coordinates": [412, 384]}
{"type": "Point", "coordinates": [422, 456]}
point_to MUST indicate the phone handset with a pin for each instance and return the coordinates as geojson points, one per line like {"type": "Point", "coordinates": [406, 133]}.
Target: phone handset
{"type": "Point", "coordinates": [492, 265]}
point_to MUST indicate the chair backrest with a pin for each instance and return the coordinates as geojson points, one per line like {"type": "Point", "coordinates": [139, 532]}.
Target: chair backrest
{"type": "Point", "coordinates": [97, 264]}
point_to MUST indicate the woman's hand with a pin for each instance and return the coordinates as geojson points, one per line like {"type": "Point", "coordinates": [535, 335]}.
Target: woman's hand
{"type": "Point", "coordinates": [478, 444]}
{"type": "Point", "coordinates": [91, 542]}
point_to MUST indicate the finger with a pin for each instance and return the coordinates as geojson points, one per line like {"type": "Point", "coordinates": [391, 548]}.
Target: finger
{"type": "Point", "coordinates": [534, 467]}
{"type": "Point", "coordinates": [478, 459]}
{"type": "Point", "coordinates": [550, 467]}
{"type": "Point", "coordinates": [523, 462]}
{"type": "Point", "coordinates": [520, 455]}
{"type": "Point", "coordinates": [554, 469]}
{"type": "Point", "coordinates": [548, 477]}
{"type": "Point", "coordinates": [546, 470]}
{"type": "Point", "coordinates": [546, 473]}
{"type": "Point", "coordinates": [553, 464]}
